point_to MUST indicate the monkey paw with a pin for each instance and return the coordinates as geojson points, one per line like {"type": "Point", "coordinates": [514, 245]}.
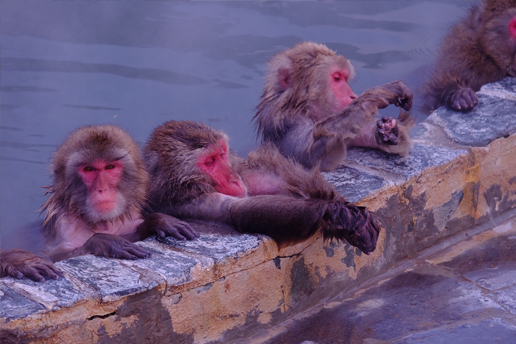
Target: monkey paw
{"type": "Point", "coordinates": [355, 224]}
{"type": "Point", "coordinates": [401, 95]}
{"type": "Point", "coordinates": [20, 264]}
{"type": "Point", "coordinates": [166, 225]}
{"type": "Point", "coordinates": [113, 246]}
{"type": "Point", "coordinates": [463, 99]}
{"type": "Point", "coordinates": [387, 131]}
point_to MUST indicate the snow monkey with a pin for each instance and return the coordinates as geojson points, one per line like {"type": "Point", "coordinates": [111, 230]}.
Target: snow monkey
{"type": "Point", "coordinates": [311, 114]}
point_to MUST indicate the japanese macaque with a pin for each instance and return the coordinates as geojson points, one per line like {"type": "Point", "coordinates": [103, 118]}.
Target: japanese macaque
{"type": "Point", "coordinates": [195, 176]}
{"type": "Point", "coordinates": [478, 50]}
{"type": "Point", "coordinates": [311, 114]}
{"type": "Point", "coordinates": [95, 206]}
{"type": "Point", "coordinates": [20, 264]}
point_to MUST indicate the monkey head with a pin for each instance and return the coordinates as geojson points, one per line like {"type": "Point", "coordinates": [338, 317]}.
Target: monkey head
{"type": "Point", "coordinates": [187, 159]}
{"type": "Point", "coordinates": [313, 77]}
{"type": "Point", "coordinates": [99, 175]}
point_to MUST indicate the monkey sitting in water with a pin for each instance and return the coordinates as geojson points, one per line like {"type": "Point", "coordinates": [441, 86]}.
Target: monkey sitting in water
{"type": "Point", "coordinates": [478, 50]}
{"type": "Point", "coordinates": [194, 176]}
{"type": "Point", "coordinates": [95, 206]}
{"type": "Point", "coordinates": [311, 114]}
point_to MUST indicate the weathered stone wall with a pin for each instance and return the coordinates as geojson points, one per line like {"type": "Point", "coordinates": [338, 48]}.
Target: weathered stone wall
{"type": "Point", "coordinates": [459, 175]}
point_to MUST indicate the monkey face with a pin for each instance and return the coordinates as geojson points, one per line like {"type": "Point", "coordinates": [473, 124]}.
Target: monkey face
{"type": "Point", "coordinates": [104, 202]}
{"type": "Point", "coordinates": [214, 162]}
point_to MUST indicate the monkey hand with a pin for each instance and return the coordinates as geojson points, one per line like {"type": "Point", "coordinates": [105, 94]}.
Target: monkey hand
{"type": "Point", "coordinates": [113, 246]}
{"type": "Point", "coordinates": [462, 99]}
{"type": "Point", "coordinates": [166, 225]}
{"type": "Point", "coordinates": [387, 131]}
{"type": "Point", "coordinates": [355, 224]}
{"type": "Point", "coordinates": [20, 264]}
{"type": "Point", "coordinates": [401, 95]}
{"type": "Point", "coordinates": [395, 92]}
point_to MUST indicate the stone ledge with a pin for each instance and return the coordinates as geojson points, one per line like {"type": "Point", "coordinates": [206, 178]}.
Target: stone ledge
{"type": "Point", "coordinates": [458, 176]}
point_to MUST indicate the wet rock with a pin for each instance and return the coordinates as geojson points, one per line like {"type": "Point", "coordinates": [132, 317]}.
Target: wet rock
{"type": "Point", "coordinates": [172, 267]}
{"type": "Point", "coordinates": [53, 294]}
{"type": "Point", "coordinates": [217, 247]}
{"type": "Point", "coordinates": [14, 305]}
{"type": "Point", "coordinates": [421, 156]}
{"type": "Point", "coordinates": [354, 184]}
{"type": "Point", "coordinates": [108, 277]}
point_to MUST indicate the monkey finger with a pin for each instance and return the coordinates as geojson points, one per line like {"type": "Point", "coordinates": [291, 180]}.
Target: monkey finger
{"type": "Point", "coordinates": [188, 231]}
{"type": "Point", "coordinates": [122, 254]}
{"type": "Point", "coordinates": [48, 272]}
{"type": "Point", "coordinates": [33, 274]}
{"type": "Point", "coordinates": [472, 98]}
{"type": "Point", "coordinates": [138, 252]}
{"type": "Point", "coordinates": [464, 104]}
{"type": "Point", "coordinates": [177, 235]}
{"type": "Point", "coordinates": [13, 272]}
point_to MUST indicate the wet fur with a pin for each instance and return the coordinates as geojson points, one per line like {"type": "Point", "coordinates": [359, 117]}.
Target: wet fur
{"type": "Point", "coordinates": [68, 193]}
{"type": "Point", "coordinates": [300, 119]}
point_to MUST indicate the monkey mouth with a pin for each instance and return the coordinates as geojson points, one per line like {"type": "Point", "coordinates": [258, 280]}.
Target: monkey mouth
{"type": "Point", "coordinates": [105, 206]}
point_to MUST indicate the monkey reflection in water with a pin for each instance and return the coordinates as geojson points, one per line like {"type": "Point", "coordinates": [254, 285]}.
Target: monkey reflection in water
{"type": "Point", "coordinates": [194, 176]}
{"type": "Point", "coordinates": [96, 200]}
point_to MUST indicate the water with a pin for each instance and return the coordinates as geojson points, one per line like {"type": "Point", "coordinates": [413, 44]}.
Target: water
{"type": "Point", "coordinates": [139, 64]}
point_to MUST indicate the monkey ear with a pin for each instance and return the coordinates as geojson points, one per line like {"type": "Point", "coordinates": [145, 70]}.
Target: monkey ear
{"type": "Point", "coordinates": [284, 80]}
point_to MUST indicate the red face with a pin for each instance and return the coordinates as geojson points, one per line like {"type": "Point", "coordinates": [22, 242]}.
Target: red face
{"type": "Point", "coordinates": [344, 95]}
{"type": "Point", "coordinates": [512, 27]}
{"type": "Point", "coordinates": [215, 164]}
{"type": "Point", "coordinates": [102, 179]}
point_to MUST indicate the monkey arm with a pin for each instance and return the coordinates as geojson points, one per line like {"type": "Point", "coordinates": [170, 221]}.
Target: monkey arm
{"type": "Point", "coordinates": [310, 144]}
{"type": "Point", "coordinates": [290, 220]}
{"type": "Point", "coordinates": [284, 218]}
{"type": "Point", "coordinates": [326, 141]}
{"type": "Point", "coordinates": [287, 219]}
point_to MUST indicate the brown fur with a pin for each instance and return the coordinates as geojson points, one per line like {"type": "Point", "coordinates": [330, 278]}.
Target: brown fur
{"type": "Point", "coordinates": [300, 118]}
{"type": "Point", "coordinates": [295, 204]}
{"type": "Point", "coordinates": [68, 193]}
{"type": "Point", "coordinates": [477, 51]}
{"type": "Point", "coordinates": [72, 228]}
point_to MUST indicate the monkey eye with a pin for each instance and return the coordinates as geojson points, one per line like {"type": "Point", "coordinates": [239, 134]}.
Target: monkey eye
{"type": "Point", "coordinates": [88, 169]}
{"type": "Point", "coordinates": [338, 76]}
{"type": "Point", "coordinates": [209, 161]}
{"type": "Point", "coordinates": [110, 167]}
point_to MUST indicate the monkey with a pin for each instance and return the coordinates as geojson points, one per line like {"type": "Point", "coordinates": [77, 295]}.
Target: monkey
{"type": "Point", "coordinates": [478, 50]}
{"type": "Point", "coordinates": [195, 176]}
{"type": "Point", "coordinates": [97, 196]}
{"type": "Point", "coordinates": [309, 111]}
{"type": "Point", "coordinates": [19, 264]}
